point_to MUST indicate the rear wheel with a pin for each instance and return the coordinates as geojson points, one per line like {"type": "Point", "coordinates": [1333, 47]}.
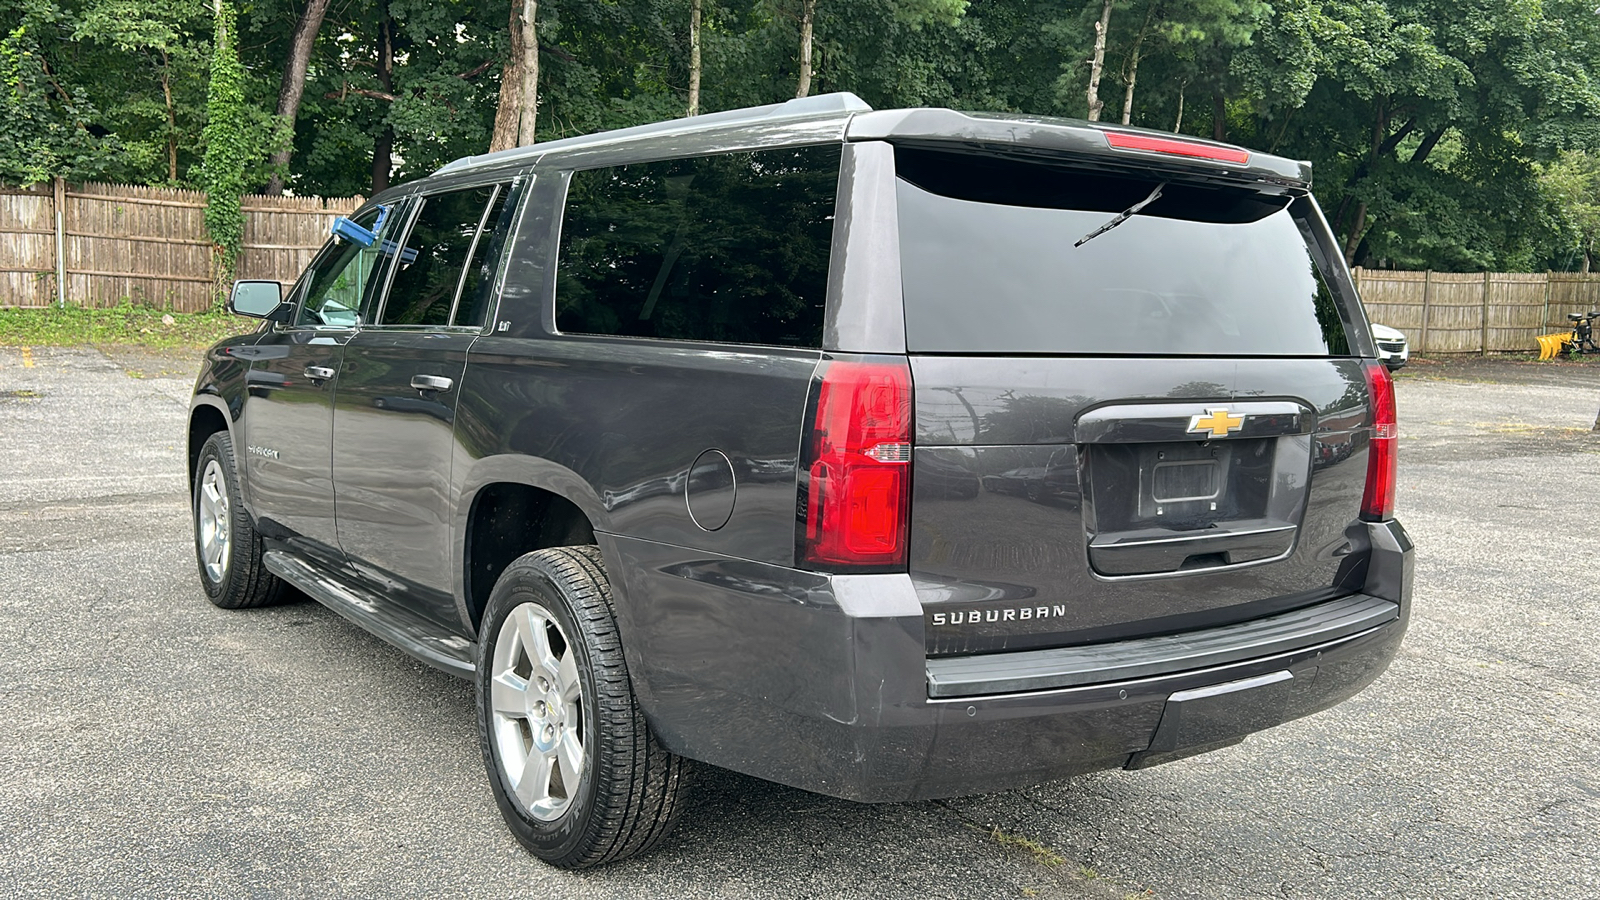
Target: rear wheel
{"type": "Point", "coordinates": [578, 776]}
{"type": "Point", "coordinates": [226, 544]}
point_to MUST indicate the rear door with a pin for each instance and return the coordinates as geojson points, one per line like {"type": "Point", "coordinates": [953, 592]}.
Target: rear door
{"type": "Point", "coordinates": [1165, 418]}
{"type": "Point", "coordinates": [399, 381]}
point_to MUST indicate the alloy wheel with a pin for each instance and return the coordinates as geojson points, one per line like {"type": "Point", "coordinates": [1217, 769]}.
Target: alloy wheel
{"type": "Point", "coordinates": [215, 524]}
{"type": "Point", "coordinates": [537, 703]}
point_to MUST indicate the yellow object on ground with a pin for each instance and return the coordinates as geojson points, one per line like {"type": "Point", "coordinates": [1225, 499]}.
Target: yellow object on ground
{"type": "Point", "coordinates": [1551, 344]}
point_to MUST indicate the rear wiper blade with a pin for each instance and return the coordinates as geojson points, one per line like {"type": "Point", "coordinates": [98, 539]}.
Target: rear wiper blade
{"type": "Point", "coordinates": [1123, 216]}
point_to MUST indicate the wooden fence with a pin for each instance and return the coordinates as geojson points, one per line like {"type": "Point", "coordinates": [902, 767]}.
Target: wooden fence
{"type": "Point", "coordinates": [117, 242]}
{"type": "Point", "coordinates": [120, 242]}
{"type": "Point", "coordinates": [1478, 312]}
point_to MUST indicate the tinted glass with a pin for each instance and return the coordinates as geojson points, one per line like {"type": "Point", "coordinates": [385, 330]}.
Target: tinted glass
{"type": "Point", "coordinates": [337, 281]}
{"type": "Point", "coordinates": [730, 248]}
{"type": "Point", "coordinates": [989, 266]}
{"type": "Point", "coordinates": [477, 290]}
{"type": "Point", "coordinates": [435, 255]}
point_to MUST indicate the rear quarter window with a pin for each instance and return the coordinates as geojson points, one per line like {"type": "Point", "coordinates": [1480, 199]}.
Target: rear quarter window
{"type": "Point", "coordinates": [730, 248]}
{"type": "Point", "coordinates": [989, 265]}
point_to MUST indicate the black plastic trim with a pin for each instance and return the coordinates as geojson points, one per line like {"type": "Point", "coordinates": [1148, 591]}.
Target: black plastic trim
{"type": "Point", "coordinates": [1038, 670]}
{"type": "Point", "coordinates": [412, 633]}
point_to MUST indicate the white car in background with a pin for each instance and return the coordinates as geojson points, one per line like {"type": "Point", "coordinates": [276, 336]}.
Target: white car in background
{"type": "Point", "coordinates": [1392, 346]}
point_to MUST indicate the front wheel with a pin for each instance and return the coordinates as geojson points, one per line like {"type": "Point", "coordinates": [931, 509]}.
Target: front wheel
{"type": "Point", "coordinates": [578, 776]}
{"type": "Point", "coordinates": [226, 544]}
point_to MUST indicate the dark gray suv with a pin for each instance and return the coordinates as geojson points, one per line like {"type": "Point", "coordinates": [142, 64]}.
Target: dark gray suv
{"type": "Point", "coordinates": [889, 455]}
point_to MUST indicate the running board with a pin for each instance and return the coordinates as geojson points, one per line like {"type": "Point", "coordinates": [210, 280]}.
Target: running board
{"type": "Point", "coordinates": [406, 630]}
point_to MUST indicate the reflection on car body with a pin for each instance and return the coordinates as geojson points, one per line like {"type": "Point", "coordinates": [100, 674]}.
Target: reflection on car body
{"type": "Point", "coordinates": [1055, 481]}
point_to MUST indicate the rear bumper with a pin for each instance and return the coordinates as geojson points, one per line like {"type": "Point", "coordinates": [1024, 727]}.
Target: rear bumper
{"type": "Point", "coordinates": [826, 686]}
{"type": "Point", "coordinates": [1121, 661]}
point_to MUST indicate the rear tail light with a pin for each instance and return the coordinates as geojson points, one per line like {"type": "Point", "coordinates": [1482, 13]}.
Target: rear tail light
{"type": "Point", "coordinates": [857, 467]}
{"type": "Point", "coordinates": [1122, 141]}
{"type": "Point", "coordinates": [1378, 502]}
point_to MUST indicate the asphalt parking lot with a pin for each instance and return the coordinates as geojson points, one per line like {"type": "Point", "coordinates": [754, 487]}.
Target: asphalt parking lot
{"type": "Point", "coordinates": [152, 745]}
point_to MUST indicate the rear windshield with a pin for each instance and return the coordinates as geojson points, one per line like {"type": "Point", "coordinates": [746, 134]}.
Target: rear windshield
{"type": "Point", "coordinates": [988, 265]}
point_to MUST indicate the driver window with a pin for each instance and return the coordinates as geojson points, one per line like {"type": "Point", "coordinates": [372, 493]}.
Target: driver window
{"type": "Point", "coordinates": [338, 280]}
{"type": "Point", "coordinates": [435, 255]}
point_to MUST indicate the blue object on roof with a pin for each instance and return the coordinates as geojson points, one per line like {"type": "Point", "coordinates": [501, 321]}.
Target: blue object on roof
{"type": "Point", "coordinates": [355, 234]}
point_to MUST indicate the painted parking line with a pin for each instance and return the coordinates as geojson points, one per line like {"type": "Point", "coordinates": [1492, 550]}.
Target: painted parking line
{"type": "Point", "coordinates": [27, 357]}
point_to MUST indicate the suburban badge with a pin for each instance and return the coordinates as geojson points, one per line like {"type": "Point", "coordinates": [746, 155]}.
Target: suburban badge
{"type": "Point", "coordinates": [1218, 422]}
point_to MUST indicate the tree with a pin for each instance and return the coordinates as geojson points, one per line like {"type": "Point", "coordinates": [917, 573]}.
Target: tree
{"type": "Point", "coordinates": [808, 15]}
{"type": "Point", "coordinates": [1130, 69]}
{"type": "Point", "coordinates": [293, 85]}
{"type": "Point", "coordinates": [528, 97]}
{"type": "Point", "coordinates": [694, 57]}
{"type": "Point", "coordinates": [508, 110]}
{"type": "Point", "coordinates": [1571, 184]}
{"type": "Point", "coordinates": [1424, 119]}
{"type": "Point", "coordinates": [383, 147]}
{"type": "Point", "coordinates": [1437, 129]}
{"type": "Point", "coordinates": [227, 151]}
{"type": "Point", "coordinates": [49, 125]}
{"type": "Point", "coordinates": [516, 115]}
{"type": "Point", "coordinates": [1193, 42]}
{"type": "Point", "coordinates": [1097, 63]}
{"type": "Point", "coordinates": [391, 98]}
{"type": "Point", "coordinates": [145, 65]}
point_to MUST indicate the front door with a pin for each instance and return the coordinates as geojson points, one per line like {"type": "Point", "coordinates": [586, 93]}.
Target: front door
{"type": "Point", "coordinates": [398, 384]}
{"type": "Point", "coordinates": [287, 455]}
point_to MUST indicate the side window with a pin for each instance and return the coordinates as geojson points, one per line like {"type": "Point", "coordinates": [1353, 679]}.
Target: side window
{"type": "Point", "coordinates": [477, 288]}
{"type": "Point", "coordinates": [435, 257]}
{"type": "Point", "coordinates": [337, 281]}
{"type": "Point", "coordinates": [730, 248]}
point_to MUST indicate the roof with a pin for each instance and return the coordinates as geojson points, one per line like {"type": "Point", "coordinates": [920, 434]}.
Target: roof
{"type": "Point", "coordinates": [821, 108]}
{"type": "Point", "coordinates": [844, 116]}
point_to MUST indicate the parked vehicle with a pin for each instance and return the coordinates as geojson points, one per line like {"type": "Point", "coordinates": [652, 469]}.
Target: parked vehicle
{"type": "Point", "coordinates": [696, 417]}
{"type": "Point", "coordinates": [1392, 346]}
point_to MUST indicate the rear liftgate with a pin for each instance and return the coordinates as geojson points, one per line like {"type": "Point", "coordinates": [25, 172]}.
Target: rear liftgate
{"type": "Point", "coordinates": [1174, 487]}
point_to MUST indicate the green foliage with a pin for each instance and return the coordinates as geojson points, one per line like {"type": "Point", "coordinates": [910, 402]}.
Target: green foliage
{"type": "Point", "coordinates": [146, 65]}
{"type": "Point", "coordinates": [1571, 185]}
{"type": "Point", "coordinates": [227, 151]}
{"type": "Point", "coordinates": [128, 324]}
{"type": "Point", "coordinates": [1440, 130]}
{"type": "Point", "coordinates": [47, 125]}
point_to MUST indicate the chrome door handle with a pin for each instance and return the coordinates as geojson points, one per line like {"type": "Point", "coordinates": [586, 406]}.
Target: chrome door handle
{"type": "Point", "coordinates": [319, 373]}
{"type": "Point", "coordinates": [431, 382]}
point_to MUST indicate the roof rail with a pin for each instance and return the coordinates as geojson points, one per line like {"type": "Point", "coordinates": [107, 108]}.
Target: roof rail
{"type": "Point", "coordinates": [842, 103]}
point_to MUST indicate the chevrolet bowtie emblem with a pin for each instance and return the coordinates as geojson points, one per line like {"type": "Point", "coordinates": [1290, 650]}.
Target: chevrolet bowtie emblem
{"type": "Point", "coordinates": [1218, 422]}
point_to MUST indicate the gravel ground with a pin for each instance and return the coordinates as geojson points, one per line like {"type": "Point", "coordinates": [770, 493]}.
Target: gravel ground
{"type": "Point", "coordinates": [153, 746]}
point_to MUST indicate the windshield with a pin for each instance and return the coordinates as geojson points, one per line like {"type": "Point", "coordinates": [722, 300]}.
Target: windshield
{"type": "Point", "coordinates": [989, 265]}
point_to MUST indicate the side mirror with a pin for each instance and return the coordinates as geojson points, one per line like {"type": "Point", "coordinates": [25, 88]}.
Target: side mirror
{"type": "Point", "coordinates": [257, 299]}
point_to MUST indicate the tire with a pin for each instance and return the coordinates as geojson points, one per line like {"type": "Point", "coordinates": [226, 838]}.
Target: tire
{"type": "Point", "coordinates": [227, 547]}
{"type": "Point", "coordinates": [628, 789]}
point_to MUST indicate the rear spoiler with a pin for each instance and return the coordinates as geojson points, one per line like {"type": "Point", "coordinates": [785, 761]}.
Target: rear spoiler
{"type": "Point", "coordinates": [1102, 146]}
